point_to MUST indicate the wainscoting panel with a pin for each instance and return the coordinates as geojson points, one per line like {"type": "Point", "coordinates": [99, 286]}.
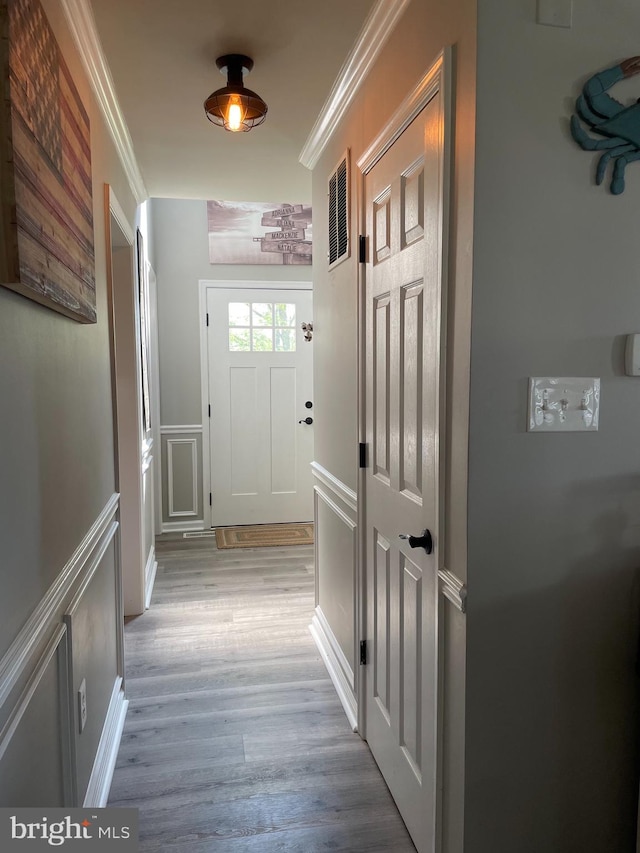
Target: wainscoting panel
{"type": "Point", "coordinates": [74, 633]}
{"type": "Point", "coordinates": [35, 756]}
{"type": "Point", "coordinates": [182, 499]}
{"type": "Point", "coordinates": [91, 623]}
{"type": "Point", "coordinates": [334, 623]}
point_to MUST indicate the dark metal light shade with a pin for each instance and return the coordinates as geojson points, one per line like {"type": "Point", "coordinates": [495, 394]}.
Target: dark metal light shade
{"type": "Point", "coordinates": [235, 107]}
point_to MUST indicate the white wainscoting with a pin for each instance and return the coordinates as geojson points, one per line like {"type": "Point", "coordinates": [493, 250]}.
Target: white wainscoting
{"type": "Point", "coordinates": [45, 636]}
{"type": "Point", "coordinates": [149, 577]}
{"type": "Point", "coordinates": [49, 611]}
{"type": "Point", "coordinates": [182, 516]}
{"type": "Point", "coordinates": [193, 510]}
{"type": "Point", "coordinates": [336, 529]}
{"type": "Point", "coordinates": [97, 793]}
{"type": "Point", "coordinates": [57, 647]}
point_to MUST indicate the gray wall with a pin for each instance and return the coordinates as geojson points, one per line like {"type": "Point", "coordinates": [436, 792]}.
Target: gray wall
{"type": "Point", "coordinates": [181, 259]}
{"type": "Point", "coordinates": [554, 541]}
{"type": "Point", "coordinates": [57, 474]}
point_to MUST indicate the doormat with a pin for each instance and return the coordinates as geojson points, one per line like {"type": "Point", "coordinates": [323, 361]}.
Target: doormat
{"type": "Point", "coordinates": [264, 535]}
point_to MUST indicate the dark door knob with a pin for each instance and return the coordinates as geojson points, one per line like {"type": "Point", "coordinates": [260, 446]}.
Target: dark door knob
{"type": "Point", "coordinates": [306, 421]}
{"type": "Point", "coordinates": [425, 541]}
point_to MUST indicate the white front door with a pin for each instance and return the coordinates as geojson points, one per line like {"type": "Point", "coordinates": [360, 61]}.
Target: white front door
{"type": "Point", "coordinates": [260, 393]}
{"type": "Point", "coordinates": [403, 197]}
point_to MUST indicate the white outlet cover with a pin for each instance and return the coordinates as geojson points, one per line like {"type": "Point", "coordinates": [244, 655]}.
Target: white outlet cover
{"type": "Point", "coordinates": [563, 404]}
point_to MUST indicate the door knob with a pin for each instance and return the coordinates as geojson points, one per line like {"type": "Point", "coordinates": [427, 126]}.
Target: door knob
{"type": "Point", "coordinates": [425, 541]}
{"type": "Point", "coordinates": [306, 421]}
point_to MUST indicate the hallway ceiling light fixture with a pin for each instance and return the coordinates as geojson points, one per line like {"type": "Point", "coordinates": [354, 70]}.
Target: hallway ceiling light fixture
{"type": "Point", "coordinates": [235, 107]}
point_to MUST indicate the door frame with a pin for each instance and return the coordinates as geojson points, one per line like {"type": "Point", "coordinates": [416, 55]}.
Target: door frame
{"type": "Point", "coordinates": [124, 346]}
{"type": "Point", "coordinates": [438, 78]}
{"type": "Point", "coordinates": [225, 284]}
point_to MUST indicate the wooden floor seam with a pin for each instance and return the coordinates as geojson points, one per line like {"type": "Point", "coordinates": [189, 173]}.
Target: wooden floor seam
{"type": "Point", "coordinates": [235, 740]}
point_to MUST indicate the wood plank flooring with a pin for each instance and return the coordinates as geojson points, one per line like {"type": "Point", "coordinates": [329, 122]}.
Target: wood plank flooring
{"type": "Point", "coordinates": [235, 740]}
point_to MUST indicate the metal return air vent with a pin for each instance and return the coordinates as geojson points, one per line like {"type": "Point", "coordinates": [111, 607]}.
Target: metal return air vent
{"type": "Point", "coordinates": [339, 243]}
{"type": "Point", "coordinates": [198, 534]}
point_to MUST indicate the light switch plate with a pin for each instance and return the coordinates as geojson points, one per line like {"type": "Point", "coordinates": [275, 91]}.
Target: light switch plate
{"type": "Point", "coordinates": [563, 404]}
{"type": "Point", "coordinates": [555, 13]}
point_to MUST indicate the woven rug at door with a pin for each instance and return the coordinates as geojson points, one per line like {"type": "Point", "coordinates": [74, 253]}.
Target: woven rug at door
{"type": "Point", "coordinates": [264, 535]}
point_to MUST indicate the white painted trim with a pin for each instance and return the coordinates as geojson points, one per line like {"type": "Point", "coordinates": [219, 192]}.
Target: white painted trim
{"type": "Point", "coordinates": [180, 429]}
{"type": "Point", "coordinates": [423, 92]}
{"type": "Point", "coordinates": [97, 793]}
{"type": "Point", "coordinates": [82, 24]}
{"type": "Point", "coordinates": [115, 209]}
{"type": "Point", "coordinates": [67, 728]}
{"type": "Point", "coordinates": [150, 576]}
{"type": "Point", "coordinates": [227, 284]}
{"type": "Point", "coordinates": [90, 573]}
{"type": "Point", "coordinates": [18, 712]}
{"type": "Point", "coordinates": [183, 526]}
{"type": "Point", "coordinates": [373, 36]}
{"type": "Point", "coordinates": [453, 589]}
{"type": "Point", "coordinates": [336, 664]}
{"type": "Point", "coordinates": [207, 508]}
{"type": "Point", "coordinates": [154, 380]}
{"type": "Point", "coordinates": [146, 463]}
{"type": "Point", "coordinates": [337, 486]}
{"type": "Point", "coordinates": [342, 515]}
{"type": "Point", "coordinates": [194, 468]}
{"type": "Point", "coordinates": [38, 625]}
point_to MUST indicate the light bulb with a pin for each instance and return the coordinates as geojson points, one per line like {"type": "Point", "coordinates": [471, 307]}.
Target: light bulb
{"type": "Point", "coordinates": [234, 117]}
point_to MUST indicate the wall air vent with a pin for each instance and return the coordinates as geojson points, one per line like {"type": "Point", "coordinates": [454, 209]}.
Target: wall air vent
{"type": "Point", "coordinates": [339, 185]}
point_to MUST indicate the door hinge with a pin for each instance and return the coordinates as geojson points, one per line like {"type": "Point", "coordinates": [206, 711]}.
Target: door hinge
{"type": "Point", "coordinates": [362, 455]}
{"type": "Point", "coordinates": [209, 409]}
{"type": "Point", "coordinates": [207, 318]}
{"type": "Point", "coordinates": [210, 499]}
{"type": "Point", "coordinates": [363, 652]}
{"type": "Point", "coordinates": [362, 248]}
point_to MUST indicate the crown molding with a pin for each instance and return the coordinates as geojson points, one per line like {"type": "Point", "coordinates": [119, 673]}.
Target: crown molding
{"type": "Point", "coordinates": [373, 36]}
{"type": "Point", "coordinates": [82, 24]}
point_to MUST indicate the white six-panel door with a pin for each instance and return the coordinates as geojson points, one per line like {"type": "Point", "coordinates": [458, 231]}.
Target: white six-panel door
{"type": "Point", "coordinates": [260, 378]}
{"type": "Point", "coordinates": [404, 207]}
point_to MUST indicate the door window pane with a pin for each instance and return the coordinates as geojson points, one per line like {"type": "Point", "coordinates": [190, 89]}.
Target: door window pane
{"type": "Point", "coordinates": [262, 340]}
{"type": "Point", "coordinates": [239, 314]}
{"type": "Point", "coordinates": [262, 327]}
{"type": "Point", "coordinates": [239, 340]}
{"type": "Point", "coordinates": [285, 340]}
{"type": "Point", "coordinates": [262, 313]}
{"type": "Point", "coordinates": [285, 314]}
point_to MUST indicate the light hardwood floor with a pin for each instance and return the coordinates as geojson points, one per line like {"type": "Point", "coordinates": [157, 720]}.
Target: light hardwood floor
{"type": "Point", "coordinates": [235, 739]}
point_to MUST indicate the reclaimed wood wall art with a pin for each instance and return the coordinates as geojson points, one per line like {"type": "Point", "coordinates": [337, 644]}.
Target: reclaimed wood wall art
{"type": "Point", "coordinates": [46, 208]}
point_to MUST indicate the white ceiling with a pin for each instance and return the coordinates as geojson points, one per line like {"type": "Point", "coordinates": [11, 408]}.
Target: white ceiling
{"type": "Point", "coordinates": [162, 54]}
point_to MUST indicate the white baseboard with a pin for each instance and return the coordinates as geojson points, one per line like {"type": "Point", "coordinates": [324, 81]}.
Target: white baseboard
{"type": "Point", "coordinates": [99, 785]}
{"type": "Point", "coordinates": [182, 526]}
{"type": "Point", "coordinates": [150, 577]}
{"type": "Point", "coordinates": [337, 666]}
